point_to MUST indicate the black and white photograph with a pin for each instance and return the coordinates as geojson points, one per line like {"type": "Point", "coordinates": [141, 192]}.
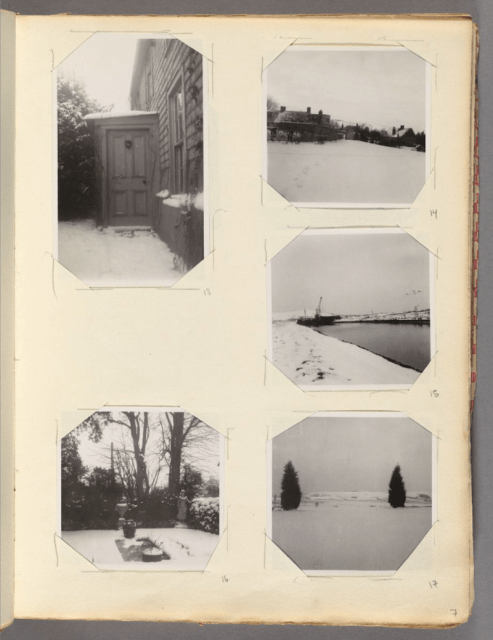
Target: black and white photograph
{"type": "Point", "coordinates": [347, 126]}
{"type": "Point", "coordinates": [351, 309]}
{"type": "Point", "coordinates": [130, 162]}
{"type": "Point", "coordinates": [142, 490]}
{"type": "Point", "coordinates": [351, 492]}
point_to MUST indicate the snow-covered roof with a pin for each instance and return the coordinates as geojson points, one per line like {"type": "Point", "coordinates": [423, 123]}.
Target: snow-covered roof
{"type": "Point", "coordinates": [404, 132]}
{"type": "Point", "coordinates": [117, 114]}
{"type": "Point", "coordinates": [301, 116]}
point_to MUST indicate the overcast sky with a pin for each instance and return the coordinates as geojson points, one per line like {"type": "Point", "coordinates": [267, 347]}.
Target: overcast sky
{"type": "Point", "coordinates": [354, 454]}
{"type": "Point", "coordinates": [356, 273]}
{"type": "Point", "coordinates": [382, 88]}
{"type": "Point", "coordinates": [104, 63]}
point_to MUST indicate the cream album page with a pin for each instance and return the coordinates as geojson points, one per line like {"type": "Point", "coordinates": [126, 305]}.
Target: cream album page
{"type": "Point", "coordinates": [243, 319]}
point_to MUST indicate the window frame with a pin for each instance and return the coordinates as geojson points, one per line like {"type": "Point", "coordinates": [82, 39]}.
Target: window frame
{"type": "Point", "coordinates": [178, 176]}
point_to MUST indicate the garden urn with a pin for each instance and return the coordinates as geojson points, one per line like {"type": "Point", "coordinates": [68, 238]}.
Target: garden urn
{"type": "Point", "coordinates": [121, 507]}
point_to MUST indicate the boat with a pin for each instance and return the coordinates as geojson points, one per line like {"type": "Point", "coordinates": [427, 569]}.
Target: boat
{"type": "Point", "coordinates": [318, 320]}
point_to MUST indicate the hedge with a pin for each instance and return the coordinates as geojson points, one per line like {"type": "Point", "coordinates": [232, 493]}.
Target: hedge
{"type": "Point", "coordinates": [203, 514]}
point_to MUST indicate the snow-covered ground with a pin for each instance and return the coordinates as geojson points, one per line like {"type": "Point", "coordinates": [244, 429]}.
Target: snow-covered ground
{"type": "Point", "coordinates": [188, 549]}
{"type": "Point", "coordinates": [115, 257]}
{"type": "Point", "coordinates": [346, 171]}
{"type": "Point", "coordinates": [350, 535]}
{"type": "Point", "coordinates": [309, 359]}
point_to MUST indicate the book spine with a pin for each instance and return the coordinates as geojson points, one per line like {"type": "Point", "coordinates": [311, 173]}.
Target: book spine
{"type": "Point", "coordinates": [7, 126]}
{"type": "Point", "coordinates": [475, 227]}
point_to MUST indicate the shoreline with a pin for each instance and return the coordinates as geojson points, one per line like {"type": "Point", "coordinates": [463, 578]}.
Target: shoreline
{"type": "Point", "coordinates": [406, 366]}
{"type": "Point", "coordinates": [310, 358]}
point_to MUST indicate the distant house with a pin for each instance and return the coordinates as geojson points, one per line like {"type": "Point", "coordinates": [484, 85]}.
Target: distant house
{"type": "Point", "coordinates": [156, 149]}
{"type": "Point", "coordinates": [352, 133]}
{"type": "Point", "coordinates": [406, 136]}
{"type": "Point", "coordinates": [305, 123]}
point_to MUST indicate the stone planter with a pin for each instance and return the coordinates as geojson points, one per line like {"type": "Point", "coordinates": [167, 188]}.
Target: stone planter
{"type": "Point", "coordinates": [129, 528]}
{"type": "Point", "coordinates": [152, 555]}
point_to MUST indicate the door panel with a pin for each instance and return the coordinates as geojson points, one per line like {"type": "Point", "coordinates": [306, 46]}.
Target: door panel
{"type": "Point", "coordinates": [129, 181]}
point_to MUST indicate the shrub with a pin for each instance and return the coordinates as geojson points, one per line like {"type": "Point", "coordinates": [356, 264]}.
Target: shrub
{"type": "Point", "coordinates": [157, 510]}
{"type": "Point", "coordinates": [203, 515]}
{"type": "Point", "coordinates": [76, 150]}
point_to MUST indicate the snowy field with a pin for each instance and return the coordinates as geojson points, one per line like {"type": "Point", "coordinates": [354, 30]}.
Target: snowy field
{"type": "Point", "coordinates": [115, 258]}
{"type": "Point", "coordinates": [351, 532]}
{"type": "Point", "coordinates": [311, 359]}
{"type": "Point", "coordinates": [345, 171]}
{"type": "Point", "coordinates": [188, 549]}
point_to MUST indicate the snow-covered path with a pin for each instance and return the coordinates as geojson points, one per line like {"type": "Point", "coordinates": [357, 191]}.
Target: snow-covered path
{"type": "Point", "coordinates": [115, 258]}
{"type": "Point", "coordinates": [188, 549]}
{"type": "Point", "coordinates": [346, 171]}
{"type": "Point", "coordinates": [311, 359]}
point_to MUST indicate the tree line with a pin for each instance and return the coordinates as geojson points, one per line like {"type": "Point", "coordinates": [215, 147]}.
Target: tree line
{"type": "Point", "coordinates": [291, 491]}
{"type": "Point", "coordinates": [145, 450]}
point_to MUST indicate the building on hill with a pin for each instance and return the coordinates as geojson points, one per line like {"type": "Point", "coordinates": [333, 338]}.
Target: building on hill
{"type": "Point", "coordinates": [405, 136]}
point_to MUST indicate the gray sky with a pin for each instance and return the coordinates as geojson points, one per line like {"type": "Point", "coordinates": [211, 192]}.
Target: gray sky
{"type": "Point", "coordinates": [353, 454]}
{"type": "Point", "coordinates": [382, 88]}
{"type": "Point", "coordinates": [104, 63]}
{"type": "Point", "coordinates": [355, 273]}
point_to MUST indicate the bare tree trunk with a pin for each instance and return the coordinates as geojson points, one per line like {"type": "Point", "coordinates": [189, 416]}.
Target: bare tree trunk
{"type": "Point", "coordinates": [141, 481]}
{"type": "Point", "coordinates": [175, 452]}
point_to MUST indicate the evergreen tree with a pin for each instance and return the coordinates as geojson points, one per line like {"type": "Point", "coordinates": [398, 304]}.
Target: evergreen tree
{"type": "Point", "coordinates": [73, 469]}
{"type": "Point", "coordinates": [191, 481]}
{"type": "Point", "coordinates": [290, 488]}
{"type": "Point", "coordinates": [397, 489]}
{"type": "Point", "coordinates": [76, 150]}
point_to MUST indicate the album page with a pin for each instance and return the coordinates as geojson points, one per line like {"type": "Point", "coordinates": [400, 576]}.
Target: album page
{"type": "Point", "coordinates": [243, 319]}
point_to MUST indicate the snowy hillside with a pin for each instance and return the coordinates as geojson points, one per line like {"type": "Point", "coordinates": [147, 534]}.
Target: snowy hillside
{"type": "Point", "coordinates": [405, 316]}
{"type": "Point", "coordinates": [421, 498]}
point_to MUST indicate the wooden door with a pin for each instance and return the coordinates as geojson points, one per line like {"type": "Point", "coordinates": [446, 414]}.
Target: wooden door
{"type": "Point", "coordinates": [129, 178]}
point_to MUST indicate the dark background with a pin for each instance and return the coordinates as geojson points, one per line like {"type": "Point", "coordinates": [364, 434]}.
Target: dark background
{"type": "Point", "coordinates": [480, 625]}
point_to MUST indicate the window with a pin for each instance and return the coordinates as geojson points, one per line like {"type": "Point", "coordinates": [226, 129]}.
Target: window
{"type": "Point", "coordinates": [177, 125]}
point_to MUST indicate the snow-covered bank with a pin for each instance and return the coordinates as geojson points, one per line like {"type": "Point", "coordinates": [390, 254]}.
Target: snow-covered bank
{"type": "Point", "coordinates": [115, 257]}
{"type": "Point", "coordinates": [347, 171]}
{"type": "Point", "coordinates": [309, 358]}
{"type": "Point", "coordinates": [188, 549]}
{"type": "Point", "coordinates": [322, 499]}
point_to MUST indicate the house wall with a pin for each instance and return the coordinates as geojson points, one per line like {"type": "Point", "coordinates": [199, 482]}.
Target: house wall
{"type": "Point", "coordinates": [167, 63]}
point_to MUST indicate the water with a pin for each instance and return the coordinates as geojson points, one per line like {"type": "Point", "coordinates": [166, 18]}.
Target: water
{"type": "Point", "coordinates": [407, 344]}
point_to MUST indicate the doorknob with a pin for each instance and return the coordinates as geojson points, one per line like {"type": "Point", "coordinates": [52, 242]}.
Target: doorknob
{"type": "Point", "coordinates": [144, 181]}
